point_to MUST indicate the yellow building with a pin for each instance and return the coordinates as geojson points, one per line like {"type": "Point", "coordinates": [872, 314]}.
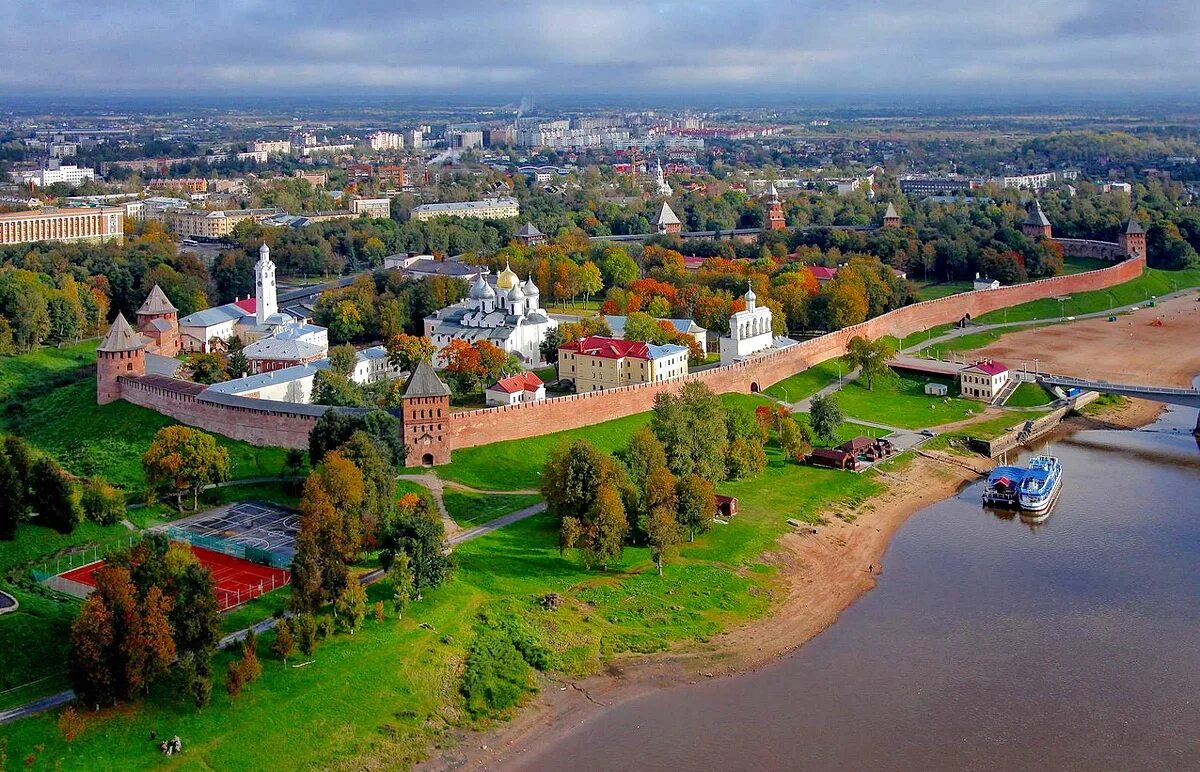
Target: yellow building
{"type": "Point", "coordinates": [51, 224]}
{"type": "Point", "coordinates": [595, 363]}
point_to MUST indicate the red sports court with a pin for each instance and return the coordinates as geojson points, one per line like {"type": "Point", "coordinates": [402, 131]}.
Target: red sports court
{"type": "Point", "coordinates": [237, 580]}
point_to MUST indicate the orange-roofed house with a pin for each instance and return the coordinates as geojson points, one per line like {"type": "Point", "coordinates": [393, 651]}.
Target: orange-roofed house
{"type": "Point", "coordinates": [515, 389]}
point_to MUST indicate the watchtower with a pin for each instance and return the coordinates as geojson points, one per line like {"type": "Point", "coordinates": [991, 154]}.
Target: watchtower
{"type": "Point", "coordinates": [425, 412]}
{"type": "Point", "coordinates": [1133, 240]}
{"type": "Point", "coordinates": [891, 218]}
{"type": "Point", "coordinates": [775, 219]}
{"type": "Point", "coordinates": [123, 352]}
{"type": "Point", "coordinates": [1036, 225]}
{"type": "Point", "coordinates": [158, 320]}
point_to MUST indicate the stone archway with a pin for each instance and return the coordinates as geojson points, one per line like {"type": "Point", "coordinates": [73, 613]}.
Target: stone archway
{"type": "Point", "coordinates": [754, 387]}
{"type": "Point", "coordinates": [427, 459]}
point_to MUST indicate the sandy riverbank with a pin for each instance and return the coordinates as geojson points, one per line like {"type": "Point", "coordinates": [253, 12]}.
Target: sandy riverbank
{"type": "Point", "coordinates": [822, 573]}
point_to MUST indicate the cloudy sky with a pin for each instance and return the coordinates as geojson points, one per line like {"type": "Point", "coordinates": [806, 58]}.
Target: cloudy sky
{"type": "Point", "coordinates": [1094, 48]}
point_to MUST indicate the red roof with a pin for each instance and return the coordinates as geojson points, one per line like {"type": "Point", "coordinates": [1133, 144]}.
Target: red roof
{"type": "Point", "coordinates": [822, 273]}
{"type": "Point", "coordinates": [526, 381]}
{"type": "Point", "coordinates": [692, 262]}
{"type": "Point", "coordinates": [249, 305]}
{"type": "Point", "coordinates": [608, 348]}
{"type": "Point", "coordinates": [989, 367]}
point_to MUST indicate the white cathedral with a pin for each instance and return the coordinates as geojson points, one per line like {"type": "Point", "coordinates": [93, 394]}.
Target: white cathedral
{"type": "Point", "coordinates": [509, 316]}
{"type": "Point", "coordinates": [750, 333]}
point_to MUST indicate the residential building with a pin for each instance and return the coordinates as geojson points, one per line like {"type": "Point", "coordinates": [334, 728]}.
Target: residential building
{"type": "Point", "coordinates": [55, 173]}
{"type": "Point", "coordinates": [595, 363]}
{"type": "Point", "coordinates": [52, 224]}
{"type": "Point", "coordinates": [913, 184]}
{"type": "Point", "coordinates": [212, 224]}
{"type": "Point", "coordinates": [386, 140]}
{"type": "Point", "coordinates": [190, 184]}
{"type": "Point", "coordinates": [316, 179]}
{"type": "Point", "coordinates": [509, 316]}
{"type": "Point", "coordinates": [271, 146]}
{"type": "Point", "coordinates": [487, 209]}
{"type": "Point", "coordinates": [371, 207]}
{"type": "Point", "coordinates": [682, 326]}
{"type": "Point", "coordinates": [515, 389]}
{"type": "Point", "coordinates": [750, 333]}
{"type": "Point", "coordinates": [153, 208]}
{"type": "Point", "coordinates": [983, 380]}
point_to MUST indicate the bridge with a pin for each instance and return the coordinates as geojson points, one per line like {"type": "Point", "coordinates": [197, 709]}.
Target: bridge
{"type": "Point", "coordinates": [1167, 394]}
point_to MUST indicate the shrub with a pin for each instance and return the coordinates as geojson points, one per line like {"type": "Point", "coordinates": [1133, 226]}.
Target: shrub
{"type": "Point", "coordinates": [234, 678]}
{"type": "Point", "coordinates": [102, 503]}
{"type": "Point", "coordinates": [496, 675]}
{"type": "Point", "coordinates": [70, 723]}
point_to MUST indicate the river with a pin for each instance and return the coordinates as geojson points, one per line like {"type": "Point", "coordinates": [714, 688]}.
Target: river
{"type": "Point", "coordinates": [987, 644]}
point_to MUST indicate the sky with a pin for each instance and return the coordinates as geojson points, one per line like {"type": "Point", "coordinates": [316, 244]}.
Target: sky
{"type": "Point", "coordinates": [1088, 48]}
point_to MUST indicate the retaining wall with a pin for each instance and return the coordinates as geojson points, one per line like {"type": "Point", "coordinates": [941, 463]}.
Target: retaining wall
{"type": "Point", "coordinates": [286, 424]}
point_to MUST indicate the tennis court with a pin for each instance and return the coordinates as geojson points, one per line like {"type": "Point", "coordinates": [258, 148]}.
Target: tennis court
{"type": "Point", "coordinates": [237, 580]}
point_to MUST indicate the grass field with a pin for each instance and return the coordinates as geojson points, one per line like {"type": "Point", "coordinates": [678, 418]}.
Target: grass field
{"type": "Point", "coordinates": [1073, 265]}
{"type": "Point", "coordinates": [1153, 282]}
{"type": "Point", "coordinates": [807, 383]}
{"type": "Point", "coordinates": [1029, 395]}
{"type": "Point", "coordinates": [471, 509]}
{"type": "Point", "coordinates": [939, 289]}
{"type": "Point", "coordinates": [395, 683]}
{"type": "Point", "coordinates": [901, 401]}
{"type": "Point", "coordinates": [43, 369]}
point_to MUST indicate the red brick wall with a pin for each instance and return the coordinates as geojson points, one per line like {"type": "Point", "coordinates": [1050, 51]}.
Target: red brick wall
{"type": "Point", "coordinates": [477, 427]}
{"type": "Point", "coordinates": [275, 426]}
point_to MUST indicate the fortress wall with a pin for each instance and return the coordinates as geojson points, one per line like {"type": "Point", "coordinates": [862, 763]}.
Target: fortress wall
{"type": "Point", "coordinates": [478, 427]}
{"type": "Point", "coordinates": [273, 425]}
{"type": "Point", "coordinates": [1100, 250]}
{"type": "Point", "coordinates": [287, 425]}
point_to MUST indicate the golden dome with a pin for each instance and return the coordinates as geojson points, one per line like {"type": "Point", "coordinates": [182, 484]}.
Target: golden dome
{"type": "Point", "coordinates": [507, 279]}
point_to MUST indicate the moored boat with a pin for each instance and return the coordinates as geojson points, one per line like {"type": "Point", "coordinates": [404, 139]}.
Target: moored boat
{"type": "Point", "coordinates": [1003, 486]}
{"type": "Point", "coordinates": [1040, 484]}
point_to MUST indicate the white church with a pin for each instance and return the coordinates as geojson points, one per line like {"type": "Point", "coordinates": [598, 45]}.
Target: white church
{"type": "Point", "coordinates": [508, 315]}
{"type": "Point", "coordinates": [750, 333]}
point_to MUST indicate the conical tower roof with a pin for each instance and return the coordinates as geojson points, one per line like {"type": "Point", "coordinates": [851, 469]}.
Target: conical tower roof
{"type": "Point", "coordinates": [891, 211]}
{"type": "Point", "coordinates": [157, 303]}
{"type": "Point", "coordinates": [121, 337]}
{"type": "Point", "coordinates": [666, 216]}
{"type": "Point", "coordinates": [424, 382]}
{"type": "Point", "coordinates": [1134, 226]}
{"type": "Point", "coordinates": [1036, 216]}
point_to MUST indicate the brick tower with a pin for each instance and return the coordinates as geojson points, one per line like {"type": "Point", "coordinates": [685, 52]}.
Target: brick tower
{"type": "Point", "coordinates": [123, 352]}
{"type": "Point", "coordinates": [775, 218]}
{"type": "Point", "coordinates": [158, 320]}
{"type": "Point", "coordinates": [891, 218]}
{"type": "Point", "coordinates": [424, 415]}
{"type": "Point", "coordinates": [1036, 225]}
{"type": "Point", "coordinates": [1133, 240]}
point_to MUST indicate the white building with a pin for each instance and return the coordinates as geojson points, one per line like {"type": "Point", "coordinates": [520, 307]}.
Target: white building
{"type": "Point", "coordinates": [272, 146]}
{"type": "Point", "coordinates": [386, 140]}
{"type": "Point", "coordinates": [55, 173]}
{"type": "Point", "coordinates": [508, 316]}
{"type": "Point", "coordinates": [661, 186]}
{"type": "Point", "coordinates": [984, 283]}
{"type": "Point", "coordinates": [488, 209]}
{"type": "Point", "coordinates": [750, 333]}
{"type": "Point", "coordinates": [683, 326]}
{"type": "Point", "coordinates": [295, 384]}
{"type": "Point", "coordinates": [515, 389]}
{"type": "Point", "coordinates": [372, 207]}
{"type": "Point", "coordinates": [983, 380]}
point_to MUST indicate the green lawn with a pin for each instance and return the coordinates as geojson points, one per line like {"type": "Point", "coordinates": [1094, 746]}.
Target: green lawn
{"type": "Point", "coordinates": [1153, 282]}
{"type": "Point", "coordinates": [471, 509]}
{"type": "Point", "coordinates": [939, 289]}
{"type": "Point", "coordinates": [43, 369]}
{"type": "Point", "coordinates": [1083, 264]}
{"type": "Point", "coordinates": [109, 440]}
{"type": "Point", "coordinates": [1029, 395]}
{"type": "Point", "coordinates": [382, 696]}
{"type": "Point", "coordinates": [901, 401]}
{"type": "Point", "coordinates": [808, 382]}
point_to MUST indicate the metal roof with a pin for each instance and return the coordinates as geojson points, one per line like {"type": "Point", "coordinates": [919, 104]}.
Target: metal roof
{"type": "Point", "coordinates": [121, 337]}
{"type": "Point", "coordinates": [424, 382]}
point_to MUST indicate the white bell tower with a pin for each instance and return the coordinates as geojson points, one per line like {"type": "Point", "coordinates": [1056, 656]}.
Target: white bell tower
{"type": "Point", "coordinates": [265, 303]}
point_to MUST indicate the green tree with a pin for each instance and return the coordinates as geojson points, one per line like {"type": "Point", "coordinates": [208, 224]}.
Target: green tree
{"type": "Point", "coordinates": [405, 352]}
{"type": "Point", "coordinates": [351, 606]}
{"type": "Point", "coordinates": [284, 644]}
{"type": "Point", "coordinates": [102, 503]}
{"type": "Point", "coordinates": [697, 503]}
{"type": "Point", "coordinates": [182, 459]}
{"type": "Point", "coordinates": [662, 534]}
{"type": "Point", "coordinates": [825, 416]}
{"type": "Point", "coordinates": [600, 534]}
{"type": "Point", "coordinates": [684, 423]}
{"type": "Point", "coordinates": [57, 501]}
{"type": "Point", "coordinates": [422, 537]}
{"type": "Point", "coordinates": [207, 368]}
{"type": "Point", "coordinates": [342, 359]}
{"type": "Point", "coordinates": [403, 587]}
{"type": "Point", "coordinates": [336, 390]}
{"type": "Point", "coordinates": [871, 356]}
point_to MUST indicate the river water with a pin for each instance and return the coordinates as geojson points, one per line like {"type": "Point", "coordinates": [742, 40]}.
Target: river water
{"type": "Point", "coordinates": [988, 643]}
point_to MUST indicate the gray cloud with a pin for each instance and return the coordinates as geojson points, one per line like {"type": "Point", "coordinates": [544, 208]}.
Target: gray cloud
{"type": "Point", "coordinates": [789, 47]}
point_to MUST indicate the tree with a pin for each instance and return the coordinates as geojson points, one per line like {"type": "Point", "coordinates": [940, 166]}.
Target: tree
{"type": "Point", "coordinates": [345, 321]}
{"type": "Point", "coordinates": [181, 459]}
{"type": "Point", "coordinates": [12, 499]}
{"type": "Point", "coordinates": [351, 606]}
{"type": "Point", "coordinates": [403, 588]}
{"type": "Point", "coordinates": [284, 644]}
{"type": "Point", "coordinates": [871, 356]}
{"type": "Point", "coordinates": [589, 280]}
{"type": "Point", "coordinates": [662, 533]}
{"type": "Point", "coordinates": [236, 364]}
{"type": "Point", "coordinates": [744, 459]}
{"type": "Point", "coordinates": [697, 503]}
{"type": "Point", "coordinates": [572, 475]}
{"type": "Point", "coordinates": [195, 619]}
{"type": "Point", "coordinates": [405, 352]}
{"type": "Point", "coordinates": [825, 416]}
{"type": "Point", "coordinates": [156, 635]}
{"type": "Point", "coordinates": [548, 348]}
{"type": "Point", "coordinates": [600, 534]}
{"type": "Point", "coordinates": [617, 267]}
{"type": "Point", "coordinates": [330, 432]}
{"type": "Point", "coordinates": [420, 535]}
{"type": "Point", "coordinates": [688, 424]}
{"type": "Point", "coordinates": [336, 390]}
{"type": "Point", "coordinates": [305, 628]}
{"type": "Point", "coordinates": [102, 503]}
{"type": "Point", "coordinates": [89, 662]}
{"type": "Point", "coordinates": [207, 368]}
{"type": "Point", "coordinates": [342, 359]}
{"type": "Point", "coordinates": [330, 535]}
{"type": "Point", "coordinates": [57, 502]}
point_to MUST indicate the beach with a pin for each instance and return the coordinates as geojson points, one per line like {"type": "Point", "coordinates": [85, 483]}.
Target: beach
{"type": "Point", "coordinates": [824, 569]}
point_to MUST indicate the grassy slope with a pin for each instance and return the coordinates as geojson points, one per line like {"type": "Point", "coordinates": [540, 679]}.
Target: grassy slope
{"type": "Point", "coordinates": [40, 369]}
{"type": "Point", "coordinates": [1153, 282]}
{"type": "Point", "coordinates": [471, 509]}
{"type": "Point", "coordinates": [804, 384]}
{"type": "Point", "coordinates": [1029, 395]}
{"type": "Point", "coordinates": [901, 401]}
{"type": "Point", "coordinates": [934, 290]}
{"type": "Point", "coordinates": [359, 699]}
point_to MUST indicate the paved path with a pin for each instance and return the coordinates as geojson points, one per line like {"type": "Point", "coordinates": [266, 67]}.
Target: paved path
{"type": "Point", "coordinates": [499, 522]}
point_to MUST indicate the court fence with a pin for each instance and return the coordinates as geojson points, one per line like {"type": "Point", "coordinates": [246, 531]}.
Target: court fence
{"type": "Point", "coordinates": [229, 598]}
{"type": "Point", "coordinates": [229, 547]}
{"type": "Point", "coordinates": [93, 553]}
